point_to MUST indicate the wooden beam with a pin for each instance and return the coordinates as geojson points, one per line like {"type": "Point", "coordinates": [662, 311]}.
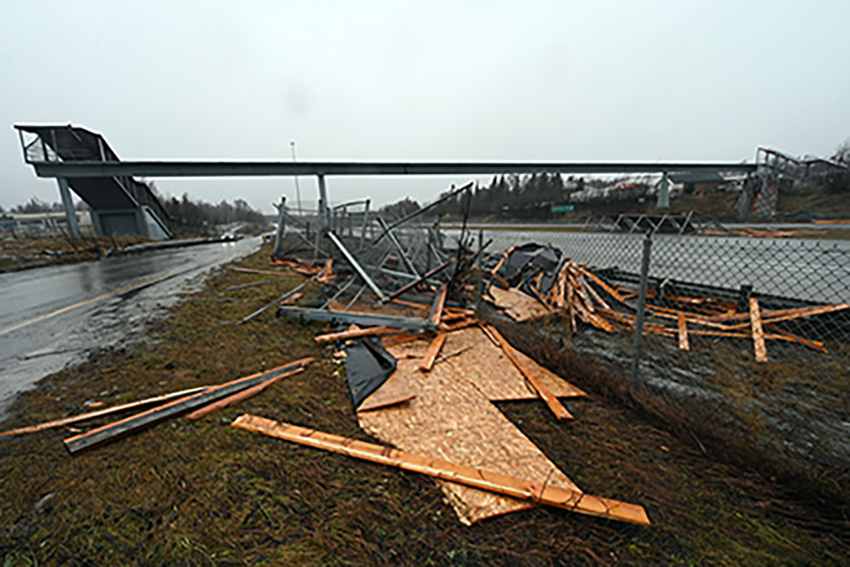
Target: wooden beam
{"type": "Point", "coordinates": [683, 332]}
{"type": "Point", "coordinates": [502, 261]}
{"type": "Point", "coordinates": [758, 332]}
{"type": "Point", "coordinates": [537, 491]}
{"type": "Point", "coordinates": [344, 335]}
{"type": "Point", "coordinates": [439, 303]}
{"type": "Point", "coordinates": [457, 326]}
{"type": "Point", "coordinates": [243, 395]}
{"type": "Point", "coordinates": [103, 412]}
{"type": "Point", "coordinates": [779, 315]}
{"type": "Point", "coordinates": [431, 354]}
{"type": "Point", "coordinates": [138, 422]}
{"type": "Point", "coordinates": [782, 334]}
{"type": "Point", "coordinates": [554, 404]}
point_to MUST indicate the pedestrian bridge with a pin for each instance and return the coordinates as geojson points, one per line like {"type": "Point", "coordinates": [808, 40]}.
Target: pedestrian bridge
{"type": "Point", "coordinates": [119, 204]}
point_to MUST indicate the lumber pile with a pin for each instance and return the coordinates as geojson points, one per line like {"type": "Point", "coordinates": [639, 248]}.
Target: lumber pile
{"type": "Point", "coordinates": [524, 290]}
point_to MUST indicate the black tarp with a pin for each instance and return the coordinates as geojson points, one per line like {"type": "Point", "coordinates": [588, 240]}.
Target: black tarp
{"type": "Point", "coordinates": [527, 261]}
{"type": "Point", "coordinates": [367, 367]}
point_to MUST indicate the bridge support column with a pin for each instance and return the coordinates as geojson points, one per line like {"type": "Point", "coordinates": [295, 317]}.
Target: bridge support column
{"type": "Point", "coordinates": [281, 227]}
{"type": "Point", "coordinates": [663, 193]}
{"type": "Point", "coordinates": [70, 213]}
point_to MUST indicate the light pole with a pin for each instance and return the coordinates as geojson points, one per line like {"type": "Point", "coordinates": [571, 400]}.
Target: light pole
{"type": "Point", "coordinates": [297, 189]}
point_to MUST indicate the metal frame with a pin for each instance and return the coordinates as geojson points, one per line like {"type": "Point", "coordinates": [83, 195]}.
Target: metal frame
{"type": "Point", "coordinates": [249, 169]}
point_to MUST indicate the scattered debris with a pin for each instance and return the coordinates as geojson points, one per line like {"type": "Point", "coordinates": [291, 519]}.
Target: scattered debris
{"type": "Point", "coordinates": [674, 309]}
{"type": "Point", "coordinates": [103, 412]}
{"type": "Point", "coordinates": [132, 424]}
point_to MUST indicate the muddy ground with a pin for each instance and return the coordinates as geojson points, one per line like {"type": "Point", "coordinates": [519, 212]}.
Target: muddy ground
{"type": "Point", "coordinates": [204, 493]}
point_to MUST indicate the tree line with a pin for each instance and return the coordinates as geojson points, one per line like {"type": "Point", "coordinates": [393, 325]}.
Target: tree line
{"type": "Point", "coordinates": [513, 196]}
{"type": "Point", "coordinates": [189, 216]}
{"type": "Point", "coordinates": [198, 217]}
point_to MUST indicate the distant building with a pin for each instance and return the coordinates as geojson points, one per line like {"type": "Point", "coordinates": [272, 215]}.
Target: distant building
{"type": "Point", "coordinates": [703, 183]}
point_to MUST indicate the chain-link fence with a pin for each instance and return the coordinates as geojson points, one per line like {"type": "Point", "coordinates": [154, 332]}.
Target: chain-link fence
{"type": "Point", "coordinates": [745, 341]}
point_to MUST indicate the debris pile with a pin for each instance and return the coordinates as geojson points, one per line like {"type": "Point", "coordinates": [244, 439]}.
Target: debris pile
{"type": "Point", "coordinates": [533, 281]}
{"type": "Point", "coordinates": [423, 370]}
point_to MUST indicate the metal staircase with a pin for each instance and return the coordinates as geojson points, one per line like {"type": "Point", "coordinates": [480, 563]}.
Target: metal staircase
{"type": "Point", "coordinates": [120, 204]}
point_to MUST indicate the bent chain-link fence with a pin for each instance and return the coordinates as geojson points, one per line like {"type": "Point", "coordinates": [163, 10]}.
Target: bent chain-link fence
{"type": "Point", "coordinates": [745, 341]}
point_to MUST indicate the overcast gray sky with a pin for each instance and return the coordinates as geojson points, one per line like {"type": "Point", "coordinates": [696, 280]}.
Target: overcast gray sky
{"type": "Point", "coordinates": [413, 81]}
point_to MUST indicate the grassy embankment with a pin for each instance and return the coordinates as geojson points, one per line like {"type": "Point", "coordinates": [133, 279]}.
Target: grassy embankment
{"type": "Point", "coordinates": [23, 252]}
{"type": "Point", "coordinates": [204, 493]}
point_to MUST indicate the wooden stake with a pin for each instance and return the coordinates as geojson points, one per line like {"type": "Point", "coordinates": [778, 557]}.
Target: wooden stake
{"type": "Point", "coordinates": [554, 404]}
{"type": "Point", "coordinates": [758, 333]}
{"type": "Point", "coordinates": [535, 491]}
{"type": "Point", "coordinates": [683, 333]}
{"type": "Point", "coordinates": [431, 355]}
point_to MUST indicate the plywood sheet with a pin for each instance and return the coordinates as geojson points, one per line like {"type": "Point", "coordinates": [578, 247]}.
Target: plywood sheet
{"type": "Point", "coordinates": [394, 391]}
{"type": "Point", "coordinates": [486, 366]}
{"type": "Point", "coordinates": [517, 305]}
{"type": "Point", "coordinates": [450, 419]}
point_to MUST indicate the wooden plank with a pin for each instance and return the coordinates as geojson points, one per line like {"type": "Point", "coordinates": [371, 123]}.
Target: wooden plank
{"type": "Point", "coordinates": [353, 334]}
{"type": "Point", "coordinates": [782, 334]}
{"type": "Point", "coordinates": [439, 303]}
{"type": "Point", "coordinates": [394, 391]}
{"type": "Point", "coordinates": [243, 395]}
{"type": "Point", "coordinates": [758, 332]}
{"type": "Point", "coordinates": [543, 301]}
{"type": "Point", "coordinates": [502, 261]}
{"type": "Point", "coordinates": [590, 289]}
{"type": "Point", "coordinates": [537, 491]}
{"type": "Point", "coordinates": [468, 322]}
{"type": "Point", "coordinates": [603, 284]}
{"type": "Point", "coordinates": [668, 313]}
{"type": "Point", "coordinates": [449, 317]}
{"type": "Point", "coordinates": [683, 333]}
{"type": "Point", "coordinates": [102, 412]}
{"type": "Point", "coordinates": [138, 422]}
{"type": "Point", "coordinates": [433, 350]}
{"type": "Point", "coordinates": [780, 315]}
{"type": "Point", "coordinates": [554, 404]}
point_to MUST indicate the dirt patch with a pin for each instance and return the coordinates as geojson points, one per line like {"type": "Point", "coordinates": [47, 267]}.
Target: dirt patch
{"type": "Point", "coordinates": [203, 493]}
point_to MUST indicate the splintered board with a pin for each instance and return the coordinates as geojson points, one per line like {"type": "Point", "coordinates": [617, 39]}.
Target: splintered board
{"type": "Point", "coordinates": [516, 304]}
{"type": "Point", "coordinates": [451, 419]}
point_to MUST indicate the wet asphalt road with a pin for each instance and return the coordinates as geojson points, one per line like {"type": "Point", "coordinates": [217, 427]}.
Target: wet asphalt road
{"type": "Point", "coordinates": [54, 316]}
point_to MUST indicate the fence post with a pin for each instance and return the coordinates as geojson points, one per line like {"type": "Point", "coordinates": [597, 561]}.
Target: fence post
{"type": "Point", "coordinates": [478, 278]}
{"type": "Point", "coordinates": [641, 310]}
